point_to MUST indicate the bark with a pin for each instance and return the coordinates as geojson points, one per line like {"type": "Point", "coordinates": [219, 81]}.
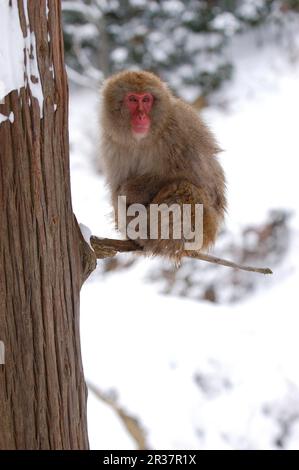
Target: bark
{"type": "Point", "coordinates": [43, 258]}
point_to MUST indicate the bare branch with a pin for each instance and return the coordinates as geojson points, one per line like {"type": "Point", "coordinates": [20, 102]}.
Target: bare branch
{"type": "Point", "coordinates": [229, 264]}
{"type": "Point", "coordinates": [107, 247]}
{"type": "Point", "coordinates": [132, 425]}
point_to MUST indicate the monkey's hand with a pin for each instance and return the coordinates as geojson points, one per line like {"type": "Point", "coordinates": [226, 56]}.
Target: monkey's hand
{"type": "Point", "coordinates": [170, 241]}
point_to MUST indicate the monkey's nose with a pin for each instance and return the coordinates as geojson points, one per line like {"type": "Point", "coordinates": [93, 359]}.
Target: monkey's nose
{"type": "Point", "coordinates": [141, 116]}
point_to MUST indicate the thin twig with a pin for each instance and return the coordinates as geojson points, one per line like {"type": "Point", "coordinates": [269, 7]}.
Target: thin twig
{"type": "Point", "coordinates": [229, 264]}
{"type": "Point", "coordinates": [108, 247]}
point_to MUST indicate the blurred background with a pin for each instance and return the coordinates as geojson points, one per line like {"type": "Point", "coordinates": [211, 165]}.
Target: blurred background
{"type": "Point", "coordinates": [203, 356]}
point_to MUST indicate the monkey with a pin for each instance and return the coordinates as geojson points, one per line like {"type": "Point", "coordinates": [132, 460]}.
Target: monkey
{"type": "Point", "coordinates": [156, 149]}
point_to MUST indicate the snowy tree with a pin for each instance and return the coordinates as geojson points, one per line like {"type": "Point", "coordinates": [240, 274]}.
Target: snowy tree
{"type": "Point", "coordinates": [44, 258]}
{"type": "Point", "coordinates": [182, 40]}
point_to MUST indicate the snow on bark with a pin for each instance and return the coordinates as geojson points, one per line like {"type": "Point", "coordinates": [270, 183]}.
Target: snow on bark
{"type": "Point", "coordinates": [86, 233]}
{"type": "Point", "coordinates": [10, 118]}
{"type": "Point", "coordinates": [18, 57]}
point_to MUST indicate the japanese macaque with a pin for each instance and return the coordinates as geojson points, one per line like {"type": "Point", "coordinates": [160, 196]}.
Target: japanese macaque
{"type": "Point", "coordinates": [157, 150]}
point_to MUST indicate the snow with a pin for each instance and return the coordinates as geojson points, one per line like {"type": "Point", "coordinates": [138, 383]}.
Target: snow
{"type": "Point", "coordinates": [120, 54]}
{"type": "Point", "coordinates": [92, 10]}
{"type": "Point", "coordinates": [14, 74]}
{"type": "Point", "coordinates": [226, 21]}
{"type": "Point", "coordinates": [196, 375]}
{"type": "Point", "coordinates": [249, 8]}
{"type": "Point", "coordinates": [150, 348]}
{"type": "Point", "coordinates": [261, 108]}
{"type": "Point", "coordinates": [86, 233]}
{"type": "Point", "coordinates": [2, 353]}
{"type": "Point", "coordinates": [11, 49]}
{"type": "Point", "coordinates": [10, 117]}
{"type": "Point", "coordinates": [32, 76]}
{"type": "Point", "coordinates": [3, 118]}
{"type": "Point", "coordinates": [173, 7]}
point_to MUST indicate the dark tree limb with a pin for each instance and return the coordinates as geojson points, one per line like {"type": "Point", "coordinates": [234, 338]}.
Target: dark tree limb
{"type": "Point", "coordinates": [107, 247]}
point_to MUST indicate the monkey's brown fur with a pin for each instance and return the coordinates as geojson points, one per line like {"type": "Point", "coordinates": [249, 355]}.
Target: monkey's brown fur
{"type": "Point", "coordinates": [175, 163]}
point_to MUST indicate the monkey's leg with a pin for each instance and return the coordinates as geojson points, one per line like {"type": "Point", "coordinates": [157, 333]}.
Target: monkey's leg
{"type": "Point", "coordinates": [180, 193]}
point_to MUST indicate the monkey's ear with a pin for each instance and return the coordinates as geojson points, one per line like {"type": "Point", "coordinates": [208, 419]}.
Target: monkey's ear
{"type": "Point", "coordinates": [112, 94]}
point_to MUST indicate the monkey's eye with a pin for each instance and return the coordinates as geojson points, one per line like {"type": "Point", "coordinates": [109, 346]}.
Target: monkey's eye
{"type": "Point", "coordinates": [146, 99]}
{"type": "Point", "coordinates": [132, 99]}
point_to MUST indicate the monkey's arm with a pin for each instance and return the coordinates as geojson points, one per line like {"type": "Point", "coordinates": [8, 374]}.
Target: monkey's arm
{"type": "Point", "coordinates": [140, 189]}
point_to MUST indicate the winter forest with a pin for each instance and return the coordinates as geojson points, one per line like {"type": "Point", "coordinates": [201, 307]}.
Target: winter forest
{"type": "Point", "coordinates": [198, 356]}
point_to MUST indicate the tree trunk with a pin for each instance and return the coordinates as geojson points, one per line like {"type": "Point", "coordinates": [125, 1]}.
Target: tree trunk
{"type": "Point", "coordinates": [43, 257]}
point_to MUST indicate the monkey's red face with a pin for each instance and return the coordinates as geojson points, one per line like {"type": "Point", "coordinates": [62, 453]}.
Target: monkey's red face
{"type": "Point", "coordinates": [139, 106]}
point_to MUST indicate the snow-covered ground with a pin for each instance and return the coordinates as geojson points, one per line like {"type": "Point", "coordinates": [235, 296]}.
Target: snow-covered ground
{"type": "Point", "coordinates": [195, 375]}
